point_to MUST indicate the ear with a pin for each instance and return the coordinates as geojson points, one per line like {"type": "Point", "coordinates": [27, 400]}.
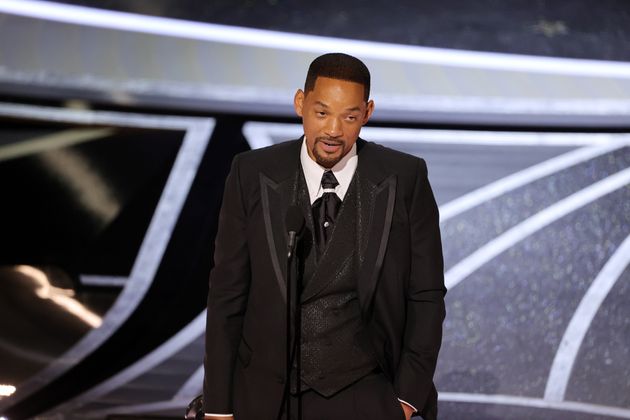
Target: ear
{"type": "Point", "coordinates": [368, 112]}
{"type": "Point", "coordinates": [298, 102]}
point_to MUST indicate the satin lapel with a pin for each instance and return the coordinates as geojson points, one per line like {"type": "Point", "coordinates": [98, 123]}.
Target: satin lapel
{"type": "Point", "coordinates": [365, 207]}
{"type": "Point", "coordinates": [276, 198]}
{"type": "Point", "coordinates": [306, 240]}
{"type": "Point", "coordinates": [375, 210]}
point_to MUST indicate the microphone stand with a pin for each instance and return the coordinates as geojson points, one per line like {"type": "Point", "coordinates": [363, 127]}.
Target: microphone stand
{"type": "Point", "coordinates": [289, 350]}
{"type": "Point", "coordinates": [295, 224]}
{"type": "Point", "coordinates": [288, 343]}
{"type": "Point", "coordinates": [298, 341]}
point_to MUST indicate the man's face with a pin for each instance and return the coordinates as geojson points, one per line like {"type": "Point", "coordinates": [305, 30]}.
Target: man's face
{"type": "Point", "coordinates": [332, 115]}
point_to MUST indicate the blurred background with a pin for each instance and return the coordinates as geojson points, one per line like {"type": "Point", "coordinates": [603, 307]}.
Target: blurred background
{"type": "Point", "coordinates": [118, 123]}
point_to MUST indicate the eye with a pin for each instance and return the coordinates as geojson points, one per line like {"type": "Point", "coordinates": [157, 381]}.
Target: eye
{"type": "Point", "coordinates": [351, 118]}
{"type": "Point", "coordinates": [320, 113]}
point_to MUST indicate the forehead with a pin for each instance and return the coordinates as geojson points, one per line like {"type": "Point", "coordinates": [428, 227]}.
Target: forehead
{"type": "Point", "coordinates": [331, 90]}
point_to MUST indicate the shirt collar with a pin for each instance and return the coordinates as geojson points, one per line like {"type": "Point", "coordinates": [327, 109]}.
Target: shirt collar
{"type": "Point", "coordinates": [343, 171]}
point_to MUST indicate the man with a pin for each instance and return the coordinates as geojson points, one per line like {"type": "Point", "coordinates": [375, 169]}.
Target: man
{"type": "Point", "coordinates": [369, 259]}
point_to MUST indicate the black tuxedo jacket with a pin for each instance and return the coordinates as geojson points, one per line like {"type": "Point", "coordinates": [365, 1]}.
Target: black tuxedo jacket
{"type": "Point", "coordinates": [400, 279]}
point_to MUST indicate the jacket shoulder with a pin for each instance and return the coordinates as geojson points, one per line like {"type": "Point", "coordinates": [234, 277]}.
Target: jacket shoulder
{"type": "Point", "coordinates": [278, 162]}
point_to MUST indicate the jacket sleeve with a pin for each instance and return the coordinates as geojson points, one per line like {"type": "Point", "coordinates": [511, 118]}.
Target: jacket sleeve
{"type": "Point", "coordinates": [227, 297]}
{"type": "Point", "coordinates": [425, 301]}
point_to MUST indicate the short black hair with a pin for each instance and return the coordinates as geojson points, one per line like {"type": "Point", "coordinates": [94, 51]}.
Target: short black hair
{"type": "Point", "coordinates": [341, 67]}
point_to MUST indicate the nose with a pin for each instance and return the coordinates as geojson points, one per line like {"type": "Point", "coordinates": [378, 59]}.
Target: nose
{"type": "Point", "coordinates": [333, 128]}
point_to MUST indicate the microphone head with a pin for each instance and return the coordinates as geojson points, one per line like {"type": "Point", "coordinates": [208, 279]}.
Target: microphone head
{"type": "Point", "coordinates": [294, 219]}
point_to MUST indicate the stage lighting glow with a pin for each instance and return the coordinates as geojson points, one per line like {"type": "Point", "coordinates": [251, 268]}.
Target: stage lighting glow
{"type": "Point", "coordinates": [62, 297]}
{"type": "Point", "coordinates": [6, 391]}
{"type": "Point", "coordinates": [58, 140]}
{"type": "Point", "coordinates": [84, 183]}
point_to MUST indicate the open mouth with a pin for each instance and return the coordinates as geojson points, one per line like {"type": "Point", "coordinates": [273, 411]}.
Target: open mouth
{"type": "Point", "coordinates": [330, 146]}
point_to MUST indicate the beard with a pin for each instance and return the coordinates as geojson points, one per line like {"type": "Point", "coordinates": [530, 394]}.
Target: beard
{"type": "Point", "coordinates": [324, 159]}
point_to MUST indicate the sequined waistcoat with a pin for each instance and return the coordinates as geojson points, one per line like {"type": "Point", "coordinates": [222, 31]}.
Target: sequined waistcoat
{"type": "Point", "coordinates": [335, 347]}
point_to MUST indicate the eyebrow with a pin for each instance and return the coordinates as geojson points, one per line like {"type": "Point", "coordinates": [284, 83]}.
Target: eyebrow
{"type": "Point", "coordinates": [353, 109]}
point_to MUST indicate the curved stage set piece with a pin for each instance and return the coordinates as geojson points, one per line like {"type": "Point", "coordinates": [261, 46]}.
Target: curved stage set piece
{"type": "Point", "coordinates": [113, 157]}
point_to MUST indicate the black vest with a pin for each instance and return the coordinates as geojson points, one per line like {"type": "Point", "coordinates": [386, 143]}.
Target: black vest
{"type": "Point", "coordinates": [336, 350]}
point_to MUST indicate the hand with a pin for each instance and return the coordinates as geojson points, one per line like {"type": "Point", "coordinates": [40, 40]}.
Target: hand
{"type": "Point", "coordinates": [408, 410]}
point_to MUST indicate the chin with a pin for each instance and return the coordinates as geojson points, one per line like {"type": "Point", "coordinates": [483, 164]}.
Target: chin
{"type": "Point", "coordinates": [327, 161]}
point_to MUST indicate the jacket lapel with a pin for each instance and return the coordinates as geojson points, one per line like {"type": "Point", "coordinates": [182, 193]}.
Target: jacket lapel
{"type": "Point", "coordinates": [376, 193]}
{"type": "Point", "coordinates": [276, 197]}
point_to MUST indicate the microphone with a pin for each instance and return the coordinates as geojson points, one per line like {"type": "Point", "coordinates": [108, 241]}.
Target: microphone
{"type": "Point", "coordinates": [295, 224]}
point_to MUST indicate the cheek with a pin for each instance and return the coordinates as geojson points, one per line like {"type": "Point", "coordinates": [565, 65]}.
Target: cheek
{"type": "Point", "coordinates": [352, 131]}
{"type": "Point", "coordinates": [312, 126]}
